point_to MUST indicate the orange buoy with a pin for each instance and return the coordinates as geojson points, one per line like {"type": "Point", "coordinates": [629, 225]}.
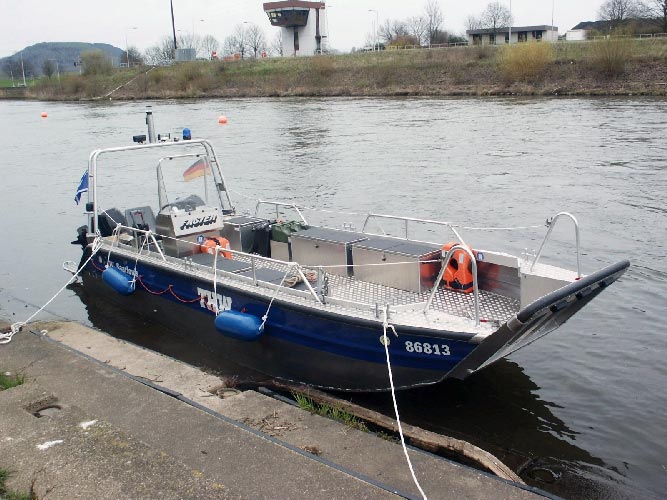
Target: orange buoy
{"type": "Point", "coordinates": [210, 245]}
{"type": "Point", "coordinates": [44, 114]}
{"type": "Point", "coordinates": [222, 120]}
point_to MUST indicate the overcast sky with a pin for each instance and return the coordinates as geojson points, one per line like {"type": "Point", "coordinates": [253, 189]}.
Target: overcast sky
{"type": "Point", "coordinates": [26, 22]}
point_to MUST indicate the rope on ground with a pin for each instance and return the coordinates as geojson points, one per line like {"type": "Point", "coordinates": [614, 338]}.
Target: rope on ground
{"type": "Point", "coordinates": [6, 338]}
{"type": "Point", "coordinates": [385, 342]}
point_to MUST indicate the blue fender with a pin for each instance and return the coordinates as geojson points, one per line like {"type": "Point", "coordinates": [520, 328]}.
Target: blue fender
{"type": "Point", "coordinates": [118, 280]}
{"type": "Point", "coordinates": [239, 325]}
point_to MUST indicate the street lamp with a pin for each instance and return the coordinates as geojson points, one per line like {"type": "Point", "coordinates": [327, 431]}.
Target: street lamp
{"type": "Point", "coordinates": [127, 48]}
{"type": "Point", "coordinates": [376, 45]}
{"type": "Point", "coordinates": [510, 28]}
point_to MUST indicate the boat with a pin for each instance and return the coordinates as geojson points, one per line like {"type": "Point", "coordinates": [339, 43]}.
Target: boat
{"type": "Point", "coordinates": [328, 307]}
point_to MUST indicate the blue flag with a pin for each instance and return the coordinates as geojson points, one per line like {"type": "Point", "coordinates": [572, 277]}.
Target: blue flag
{"type": "Point", "coordinates": [83, 187]}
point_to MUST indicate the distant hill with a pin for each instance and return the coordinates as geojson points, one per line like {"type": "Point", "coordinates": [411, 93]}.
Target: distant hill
{"type": "Point", "coordinates": [64, 53]}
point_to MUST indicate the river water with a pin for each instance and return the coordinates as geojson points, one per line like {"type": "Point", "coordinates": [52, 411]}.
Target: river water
{"type": "Point", "coordinates": [581, 413]}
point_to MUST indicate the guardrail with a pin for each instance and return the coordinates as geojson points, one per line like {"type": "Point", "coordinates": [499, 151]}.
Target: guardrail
{"type": "Point", "coordinates": [407, 220]}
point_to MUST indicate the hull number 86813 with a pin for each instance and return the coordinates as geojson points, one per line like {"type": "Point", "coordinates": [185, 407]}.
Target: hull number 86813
{"type": "Point", "coordinates": [426, 348]}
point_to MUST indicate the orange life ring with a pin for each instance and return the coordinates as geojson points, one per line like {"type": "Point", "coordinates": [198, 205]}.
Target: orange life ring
{"type": "Point", "coordinates": [458, 271]}
{"type": "Point", "coordinates": [211, 243]}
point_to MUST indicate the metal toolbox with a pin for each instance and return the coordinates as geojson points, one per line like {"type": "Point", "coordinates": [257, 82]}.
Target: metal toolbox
{"type": "Point", "coordinates": [414, 274]}
{"type": "Point", "coordinates": [280, 238]}
{"type": "Point", "coordinates": [247, 234]}
{"type": "Point", "coordinates": [318, 246]}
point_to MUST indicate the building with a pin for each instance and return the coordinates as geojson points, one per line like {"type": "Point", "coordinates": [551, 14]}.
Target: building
{"type": "Point", "coordinates": [519, 34]}
{"type": "Point", "coordinates": [304, 26]}
{"type": "Point", "coordinates": [576, 35]}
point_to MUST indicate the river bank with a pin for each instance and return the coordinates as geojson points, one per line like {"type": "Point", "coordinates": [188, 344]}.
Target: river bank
{"type": "Point", "coordinates": [606, 68]}
{"type": "Point", "coordinates": [204, 440]}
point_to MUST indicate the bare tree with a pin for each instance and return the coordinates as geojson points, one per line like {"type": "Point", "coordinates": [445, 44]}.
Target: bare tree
{"type": "Point", "coordinates": [209, 44]}
{"type": "Point", "coordinates": [256, 40]}
{"type": "Point", "coordinates": [133, 55]}
{"type": "Point", "coordinates": [495, 17]}
{"type": "Point", "coordinates": [236, 43]}
{"type": "Point", "coordinates": [48, 68]}
{"type": "Point", "coordinates": [657, 11]}
{"type": "Point", "coordinates": [417, 27]}
{"type": "Point", "coordinates": [473, 23]}
{"type": "Point", "coordinates": [277, 44]}
{"type": "Point", "coordinates": [392, 30]}
{"type": "Point", "coordinates": [161, 54]}
{"type": "Point", "coordinates": [434, 19]}
{"type": "Point", "coordinates": [616, 12]}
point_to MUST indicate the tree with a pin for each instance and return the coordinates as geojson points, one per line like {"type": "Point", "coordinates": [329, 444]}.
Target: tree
{"type": "Point", "coordinates": [657, 10]}
{"type": "Point", "coordinates": [473, 23]}
{"type": "Point", "coordinates": [209, 44]}
{"type": "Point", "coordinates": [495, 17]}
{"type": "Point", "coordinates": [255, 39]}
{"type": "Point", "coordinates": [96, 62]}
{"type": "Point", "coordinates": [48, 68]}
{"type": "Point", "coordinates": [434, 19]}
{"type": "Point", "coordinates": [161, 54]}
{"type": "Point", "coordinates": [277, 44]}
{"type": "Point", "coordinates": [12, 67]}
{"type": "Point", "coordinates": [236, 43]}
{"type": "Point", "coordinates": [392, 30]}
{"type": "Point", "coordinates": [417, 27]}
{"type": "Point", "coordinates": [616, 12]}
{"type": "Point", "coordinates": [133, 55]}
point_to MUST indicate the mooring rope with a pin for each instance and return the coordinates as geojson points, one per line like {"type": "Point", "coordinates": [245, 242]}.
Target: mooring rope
{"type": "Point", "coordinates": [6, 337]}
{"type": "Point", "coordinates": [275, 293]}
{"type": "Point", "coordinates": [385, 342]}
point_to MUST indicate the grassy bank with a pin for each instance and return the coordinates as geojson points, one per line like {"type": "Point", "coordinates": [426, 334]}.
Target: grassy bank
{"type": "Point", "coordinates": [611, 67]}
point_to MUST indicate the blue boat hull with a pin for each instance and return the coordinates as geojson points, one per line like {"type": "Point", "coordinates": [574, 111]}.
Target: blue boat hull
{"type": "Point", "coordinates": [323, 350]}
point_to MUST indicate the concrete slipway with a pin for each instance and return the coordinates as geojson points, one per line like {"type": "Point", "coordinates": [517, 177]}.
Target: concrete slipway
{"type": "Point", "coordinates": [126, 422]}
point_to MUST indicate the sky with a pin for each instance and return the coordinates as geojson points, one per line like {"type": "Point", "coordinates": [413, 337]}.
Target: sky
{"type": "Point", "coordinates": [145, 22]}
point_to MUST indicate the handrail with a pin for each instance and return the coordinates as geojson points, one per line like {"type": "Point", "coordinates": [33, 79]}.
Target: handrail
{"type": "Point", "coordinates": [253, 258]}
{"type": "Point", "coordinates": [279, 204]}
{"type": "Point", "coordinates": [551, 225]}
{"type": "Point", "coordinates": [475, 287]}
{"type": "Point", "coordinates": [203, 143]}
{"type": "Point", "coordinates": [411, 219]}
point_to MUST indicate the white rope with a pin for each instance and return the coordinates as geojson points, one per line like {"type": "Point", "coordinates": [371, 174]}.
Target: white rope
{"type": "Point", "coordinates": [6, 338]}
{"type": "Point", "coordinates": [215, 280]}
{"type": "Point", "coordinates": [516, 228]}
{"type": "Point", "coordinates": [385, 342]}
{"type": "Point", "coordinates": [275, 293]}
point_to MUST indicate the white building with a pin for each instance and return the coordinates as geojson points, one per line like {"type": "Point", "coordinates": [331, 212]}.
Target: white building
{"type": "Point", "coordinates": [519, 34]}
{"type": "Point", "coordinates": [576, 35]}
{"type": "Point", "coordinates": [303, 24]}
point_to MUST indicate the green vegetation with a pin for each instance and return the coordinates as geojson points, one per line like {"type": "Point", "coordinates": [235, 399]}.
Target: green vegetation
{"type": "Point", "coordinates": [9, 381]}
{"type": "Point", "coordinates": [333, 412]}
{"type": "Point", "coordinates": [10, 495]}
{"type": "Point", "coordinates": [574, 68]}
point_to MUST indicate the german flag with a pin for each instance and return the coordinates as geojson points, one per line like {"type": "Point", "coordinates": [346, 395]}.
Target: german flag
{"type": "Point", "coordinates": [197, 169]}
